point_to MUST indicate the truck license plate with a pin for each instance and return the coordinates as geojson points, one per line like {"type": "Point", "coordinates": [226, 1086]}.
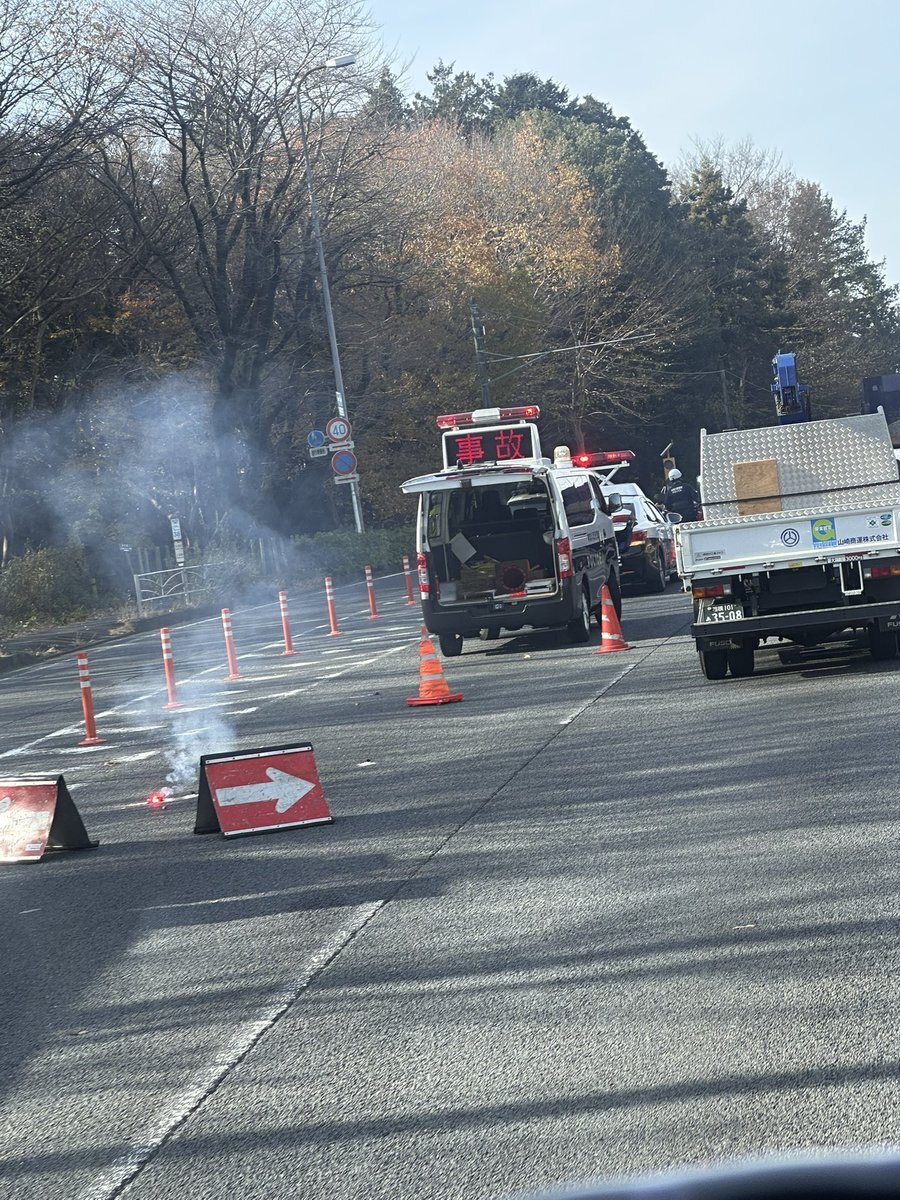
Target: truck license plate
{"type": "Point", "coordinates": [713, 613]}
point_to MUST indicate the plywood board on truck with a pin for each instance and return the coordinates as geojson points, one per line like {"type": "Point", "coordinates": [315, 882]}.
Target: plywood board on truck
{"type": "Point", "coordinates": [756, 487]}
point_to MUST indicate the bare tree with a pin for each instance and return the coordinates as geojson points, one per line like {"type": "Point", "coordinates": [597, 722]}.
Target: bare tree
{"type": "Point", "coordinates": [209, 167]}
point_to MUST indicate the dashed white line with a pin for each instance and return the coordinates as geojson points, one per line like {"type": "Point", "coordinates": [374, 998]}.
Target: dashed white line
{"type": "Point", "coordinates": [110, 1182]}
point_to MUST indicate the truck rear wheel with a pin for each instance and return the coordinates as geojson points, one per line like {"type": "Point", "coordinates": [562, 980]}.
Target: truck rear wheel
{"type": "Point", "coordinates": [714, 663]}
{"type": "Point", "coordinates": [451, 644]}
{"type": "Point", "coordinates": [740, 661]}
{"type": "Point", "coordinates": [883, 643]}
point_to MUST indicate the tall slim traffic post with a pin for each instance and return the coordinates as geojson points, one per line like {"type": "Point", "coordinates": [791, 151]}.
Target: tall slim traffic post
{"type": "Point", "coordinates": [341, 403]}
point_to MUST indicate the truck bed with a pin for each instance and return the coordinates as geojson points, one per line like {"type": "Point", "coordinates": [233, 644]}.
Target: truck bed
{"type": "Point", "coordinates": [804, 536]}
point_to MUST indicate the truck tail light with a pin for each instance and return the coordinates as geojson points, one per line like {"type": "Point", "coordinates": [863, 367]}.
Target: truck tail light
{"type": "Point", "coordinates": [709, 591]}
{"type": "Point", "coordinates": [564, 557]}
{"type": "Point", "coordinates": [883, 572]}
{"type": "Point", "coordinates": [422, 568]}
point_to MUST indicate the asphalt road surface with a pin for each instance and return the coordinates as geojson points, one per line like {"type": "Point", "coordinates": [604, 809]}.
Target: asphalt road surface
{"type": "Point", "coordinates": [602, 917]}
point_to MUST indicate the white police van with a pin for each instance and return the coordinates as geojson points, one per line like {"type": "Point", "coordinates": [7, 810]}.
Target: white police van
{"type": "Point", "coordinates": [507, 538]}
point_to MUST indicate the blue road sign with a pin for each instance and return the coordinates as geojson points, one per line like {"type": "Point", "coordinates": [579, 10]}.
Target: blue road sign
{"type": "Point", "coordinates": [315, 439]}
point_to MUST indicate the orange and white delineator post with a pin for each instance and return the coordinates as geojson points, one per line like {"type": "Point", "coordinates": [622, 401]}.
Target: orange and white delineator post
{"type": "Point", "coordinates": [165, 638]}
{"type": "Point", "coordinates": [370, 588]}
{"type": "Point", "coordinates": [433, 687]}
{"type": "Point", "coordinates": [407, 572]}
{"type": "Point", "coordinates": [233, 672]}
{"type": "Point", "coordinates": [332, 617]}
{"type": "Point", "coordinates": [611, 630]}
{"type": "Point", "coordinates": [285, 626]}
{"type": "Point", "coordinates": [87, 701]}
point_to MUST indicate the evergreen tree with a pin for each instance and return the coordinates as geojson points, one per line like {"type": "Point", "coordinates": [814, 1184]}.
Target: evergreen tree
{"type": "Point", "coordinates": [525, 92]}
{"type": "Point", "coordinates": [744, 294]}
{"type": "Point", "coordinates": [459, 99]}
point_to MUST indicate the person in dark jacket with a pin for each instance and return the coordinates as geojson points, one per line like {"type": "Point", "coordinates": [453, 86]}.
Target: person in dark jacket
{"type": "Point", "coordinates": [678, 496]}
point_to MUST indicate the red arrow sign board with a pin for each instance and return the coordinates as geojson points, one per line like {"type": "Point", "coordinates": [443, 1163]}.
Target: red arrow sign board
{"type": "Point", "coordinates": [37, 816]}
{"type": "Point", "coordinates": [255, 791]}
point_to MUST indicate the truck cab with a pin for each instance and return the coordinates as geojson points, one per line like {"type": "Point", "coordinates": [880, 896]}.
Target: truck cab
{"type": "Point", "coordinates": [507, 538]}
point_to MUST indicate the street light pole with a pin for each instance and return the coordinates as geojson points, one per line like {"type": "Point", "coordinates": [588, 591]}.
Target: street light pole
{"type": "Point", "coordinates": [346, 61]}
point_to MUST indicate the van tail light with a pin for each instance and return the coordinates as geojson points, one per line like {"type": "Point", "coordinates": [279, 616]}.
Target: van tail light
{"type": "Point", "coordinates": [422, 568]}
{"type": "Point", "coordinates": [638, 537]}
{"type": "Point", "coordinates": [564, 557]}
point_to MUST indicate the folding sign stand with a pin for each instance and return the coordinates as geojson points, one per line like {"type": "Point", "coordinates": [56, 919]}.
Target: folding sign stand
{"type": "Point", "coordinates": [39, 817]}
{"type": "Point", "coordinates": [258, 791]}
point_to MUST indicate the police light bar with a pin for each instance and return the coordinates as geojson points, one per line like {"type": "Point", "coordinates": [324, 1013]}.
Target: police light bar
{"type": "Point", "coordinates": [603, 458]}
{"type": "Point", "coordinates": [483, 416]}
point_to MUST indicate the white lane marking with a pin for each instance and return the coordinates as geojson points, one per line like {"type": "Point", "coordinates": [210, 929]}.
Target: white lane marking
{"type": "Point", "coordinates": [109, 1183]}
{"type": "Point", "coordinates": [593, 699]}
{"type": "Point", "coordinates": [128, 711]}
{"type": "Point", "coordinates": [139, 728]}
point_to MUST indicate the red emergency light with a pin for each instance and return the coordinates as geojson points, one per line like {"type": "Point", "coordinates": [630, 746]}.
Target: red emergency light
{"type": "Point", "coordinates": [603, 458]}
{"type": "Point", "coordinates": [483, 416]}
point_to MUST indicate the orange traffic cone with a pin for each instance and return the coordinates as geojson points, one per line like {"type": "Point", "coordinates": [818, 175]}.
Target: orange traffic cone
{"type": "Point", "coordinates": [432, 684]}
{"type": "Point", "coordinates": [610, 629]}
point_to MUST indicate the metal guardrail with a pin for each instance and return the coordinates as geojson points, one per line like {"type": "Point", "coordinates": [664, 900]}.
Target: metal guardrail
{"type": "Point", "coordinates": [155, 591]}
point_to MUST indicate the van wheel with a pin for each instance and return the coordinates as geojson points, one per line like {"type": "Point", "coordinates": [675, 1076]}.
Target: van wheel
{"type": "Point", "coordinates": [579, 630]}
{"type": "Point", "coordinates": [882, 643]}
{"type": "Point", "coordinates": [451, 644]}
{"type": "Point", "coordinates": [714, 663]}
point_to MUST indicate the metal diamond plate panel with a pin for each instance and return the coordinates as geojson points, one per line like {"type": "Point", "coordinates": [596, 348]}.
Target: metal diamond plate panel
{"type": "Point", "coordinates": [820, 464]}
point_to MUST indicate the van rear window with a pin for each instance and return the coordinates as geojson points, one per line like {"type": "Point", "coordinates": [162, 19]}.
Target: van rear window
{"type": "Point", "coordinates": [576, 494]}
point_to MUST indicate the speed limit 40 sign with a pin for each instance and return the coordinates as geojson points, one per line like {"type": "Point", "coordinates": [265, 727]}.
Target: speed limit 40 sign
{"type": "Point", "coordinates": [338, 430]}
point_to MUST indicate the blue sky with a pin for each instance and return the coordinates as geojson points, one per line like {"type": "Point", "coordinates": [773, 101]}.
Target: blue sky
{"type": "Point", "coordinates": [817, 80]}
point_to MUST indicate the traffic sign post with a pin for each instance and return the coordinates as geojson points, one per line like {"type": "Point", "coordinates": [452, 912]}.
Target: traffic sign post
{"type": "Point", "coordinates": [258, 791]}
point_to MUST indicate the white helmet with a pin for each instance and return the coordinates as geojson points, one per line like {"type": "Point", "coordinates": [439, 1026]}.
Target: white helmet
{"type": "Point", "coordinates": [674, 474]}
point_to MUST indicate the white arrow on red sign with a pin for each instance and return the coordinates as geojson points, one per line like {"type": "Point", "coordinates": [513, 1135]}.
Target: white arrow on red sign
{"type": "Point", "coordinates": [286, 790]}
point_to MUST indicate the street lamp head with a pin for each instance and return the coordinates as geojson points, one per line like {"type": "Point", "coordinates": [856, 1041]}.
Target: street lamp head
{"type": "Point", "coordinates": [346, 60]}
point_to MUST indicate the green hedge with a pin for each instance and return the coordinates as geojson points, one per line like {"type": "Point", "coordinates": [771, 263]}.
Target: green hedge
{"type": "Point", "coordinates": [343, 554]}
{"type": "Point", "coordinates": [46, 585]}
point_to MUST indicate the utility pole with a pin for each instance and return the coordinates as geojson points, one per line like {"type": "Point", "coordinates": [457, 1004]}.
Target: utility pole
{"type": "Point", "coordinates": [340, 395]}
{"type": "Point", "coordinates": [480, 356]}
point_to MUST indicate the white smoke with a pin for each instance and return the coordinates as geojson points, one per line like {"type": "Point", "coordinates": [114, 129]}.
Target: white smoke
{"type": "Point", "coordinates": [188, 745]}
